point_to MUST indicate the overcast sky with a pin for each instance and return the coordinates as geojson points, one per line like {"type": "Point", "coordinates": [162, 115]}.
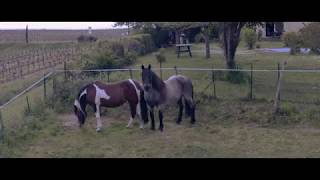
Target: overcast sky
{"type": "Point", "coordinates": [56, 25]}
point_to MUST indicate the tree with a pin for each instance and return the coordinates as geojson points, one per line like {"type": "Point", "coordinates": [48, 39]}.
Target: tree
{"type": "Point", "coordinates": [229, 31]}
{"type": "Point", "coordinates": [311, 36]}
{"type": "Point", "coordinates": [128, 24]}
{"type": "Point", "coordinates": [230, 39]}
{"type": "Point", "coordinates": [207, 30]}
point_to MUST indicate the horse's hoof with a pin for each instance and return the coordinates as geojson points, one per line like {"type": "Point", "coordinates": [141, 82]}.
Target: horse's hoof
{"type": "Point", "coordinates": [98, 129]}
{"type": "Point", "coordinates": [178, 122]}
{"type": "Point", "coordinates": [141, 127]}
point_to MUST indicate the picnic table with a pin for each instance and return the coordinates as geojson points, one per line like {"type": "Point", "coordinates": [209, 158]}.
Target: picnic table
{"type": "Point", "coordinates": [183, 48]}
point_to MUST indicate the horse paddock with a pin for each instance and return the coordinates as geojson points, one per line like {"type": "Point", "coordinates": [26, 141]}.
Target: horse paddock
{"type": "Point", "coordinates": [230, 125]}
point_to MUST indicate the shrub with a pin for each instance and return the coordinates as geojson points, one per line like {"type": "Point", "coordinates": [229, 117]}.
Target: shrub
{"type": "Point", "coordinates": [310, 35]}
{"type": "Point", "coordinates": [287, 109]}
{"type": "Point", "coordinates": [136, 47]}
{"type": "Point", "coordinates": [160, 56]}
{"type": "Point", "coordinates": [117, 49]}
{"type": "Point", "coordinates": [250, 37]}
{"type": "Point", "coordinates": [293, 41]}
{"type": "Point", "coordinates": [260, 35]}
{"type": "Point", "coordinates": [199, 38]}
{"type": "Point", "coordinates": [140, 44]}
{"type": "Point", "coordinates": [86, 38]}
{"type": "Point", "coordinates": [237, 77]}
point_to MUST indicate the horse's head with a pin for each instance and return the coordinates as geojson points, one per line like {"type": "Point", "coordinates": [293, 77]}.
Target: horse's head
{"type": "Point", "coordinates": [146, 78]}
{"type": "Point", "coordinates": [79, 113]}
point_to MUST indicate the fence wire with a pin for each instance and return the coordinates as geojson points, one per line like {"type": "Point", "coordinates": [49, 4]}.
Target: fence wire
{"type": "Point", "coordinates": [301, 87]}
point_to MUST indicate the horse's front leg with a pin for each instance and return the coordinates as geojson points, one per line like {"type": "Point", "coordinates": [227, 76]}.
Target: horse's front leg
{"type": "Point", "coordinates": [160, 118]}
{"type": "Point", "coordinates": [152, 119]}
{"type": "Point", "coordinates": [99, 123]}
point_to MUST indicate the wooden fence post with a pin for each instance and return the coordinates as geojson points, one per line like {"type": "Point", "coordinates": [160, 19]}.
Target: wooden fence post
{"type": "Point", "coordinates": [276, 106]}
{"type": "Point", "coordinates": [53, 89]}
{"type": "Point", "coordinates": [28, 104]}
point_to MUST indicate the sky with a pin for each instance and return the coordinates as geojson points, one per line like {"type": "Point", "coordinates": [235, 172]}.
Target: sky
{"type": "Point", "coordinates": [56, 25]}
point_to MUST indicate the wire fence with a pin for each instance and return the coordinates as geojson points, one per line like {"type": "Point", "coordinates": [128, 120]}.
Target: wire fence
{"type": "Point", "coordinates": [297, 86]}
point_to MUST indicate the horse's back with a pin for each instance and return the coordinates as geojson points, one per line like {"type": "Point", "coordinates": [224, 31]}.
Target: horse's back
{"type": "Point", "coordinates": [183, 80]}
{"type": "Point", "coordinates": [177, 86]}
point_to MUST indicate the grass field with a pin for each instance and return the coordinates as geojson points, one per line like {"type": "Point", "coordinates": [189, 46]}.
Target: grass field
{"type": "Point", "coordinates": [229, 126]}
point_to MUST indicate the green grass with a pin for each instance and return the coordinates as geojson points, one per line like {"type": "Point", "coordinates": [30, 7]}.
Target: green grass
{"type": "Point", "coordinates": [229, 126]}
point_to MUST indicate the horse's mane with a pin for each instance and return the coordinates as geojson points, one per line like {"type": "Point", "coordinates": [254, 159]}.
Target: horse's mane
{"type": "Point", "coordinates": [157, 83]}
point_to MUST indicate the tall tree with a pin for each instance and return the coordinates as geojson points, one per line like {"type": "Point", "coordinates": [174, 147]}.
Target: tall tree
{"type": "Point", "coordinates": [231, 38]}
{"type": "Point", "coordinates": [128, 24]}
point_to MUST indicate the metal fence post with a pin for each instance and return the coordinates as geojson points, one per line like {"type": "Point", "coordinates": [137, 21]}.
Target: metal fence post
{"type": "Point", "coordinates": [65, 70]}
{"type": "Point", "coordinates": [44, 88]}
{"type": "Point", "coordinates": [130, 71]}
{"type": "Point", "coordinates": [251, 80]}
{"type": "Point", "coordinates": [214, 84]}
{"type": "Point", "coordinates": [279, 77]}
{"type": "Point", "coordinates": [175, 68]}
{"type": "Point", "coordinates": [1, 128]}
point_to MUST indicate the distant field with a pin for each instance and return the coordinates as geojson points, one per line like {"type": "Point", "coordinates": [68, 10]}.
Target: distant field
{"type": "Point", "coordinates": [10, 36]}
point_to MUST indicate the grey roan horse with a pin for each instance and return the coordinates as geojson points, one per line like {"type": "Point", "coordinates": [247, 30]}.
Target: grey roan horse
{"type": "Point", "coordinates": [175, 90]}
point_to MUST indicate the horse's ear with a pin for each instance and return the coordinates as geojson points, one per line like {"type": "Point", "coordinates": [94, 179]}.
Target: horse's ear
{"type": "Point", "coordinates": [142, 66]}
{"type": "Point", "coordinates": [149, 67]}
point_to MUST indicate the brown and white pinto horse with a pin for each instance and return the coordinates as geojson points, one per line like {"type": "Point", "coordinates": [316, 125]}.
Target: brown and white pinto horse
{"type": "Point", "coordinates": [98, 94]}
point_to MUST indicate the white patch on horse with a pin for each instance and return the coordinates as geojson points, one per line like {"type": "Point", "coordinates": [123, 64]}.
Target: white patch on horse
{"type": "Point", "coordinates": [100, 93]}
{"type": "Point", "coordinates": [138, 105]}
{"type": "Point", "coordinates": [135, 87]}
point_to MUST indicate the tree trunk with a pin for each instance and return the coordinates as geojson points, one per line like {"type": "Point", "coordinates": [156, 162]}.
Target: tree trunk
{"type": "Point", "coordinates": [207, 41]}
{"type": "Point", "coordinates": [128, 29]}
{"type": "Point", "coordinates": [177, 37]}
{"type": "Point", "coordinates": [231, 37]}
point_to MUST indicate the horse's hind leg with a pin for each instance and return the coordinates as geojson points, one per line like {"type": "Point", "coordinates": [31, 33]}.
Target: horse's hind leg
{"type": "Point", "coordinates": [99, 123]}
{"type": "Point", "coordinates": [133, 113]}
{"type": "Point", "coordinates": [139, 116]}
{"type": "Point", "coordinates": [160, 120]}
{"type": "Point", "coordinates": [190, 107]}
{"type": "Point", "coordinates": [180, 111]}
